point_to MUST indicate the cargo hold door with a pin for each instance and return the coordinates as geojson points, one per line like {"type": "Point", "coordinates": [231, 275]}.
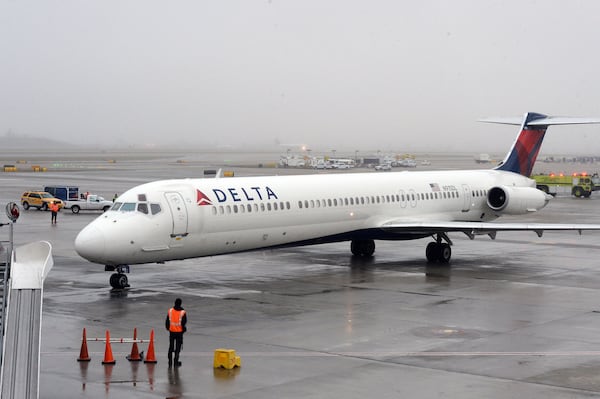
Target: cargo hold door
{"type": "Point", "coordinates": [178, 212]}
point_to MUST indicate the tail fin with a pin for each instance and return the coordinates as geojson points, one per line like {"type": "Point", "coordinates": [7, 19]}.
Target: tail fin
{"type": "Point", "coordinates": [524, 151]}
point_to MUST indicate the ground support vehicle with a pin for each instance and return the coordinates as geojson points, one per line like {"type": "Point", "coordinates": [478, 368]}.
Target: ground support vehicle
{"type": "Point", "coordinates": [91, 203]}
{"type": "Point", "coordinates": [578, 185]}
{"type": "Point", "coordinates": [65, 193]}
{"type": "Point", "coordinates": [39, 200]}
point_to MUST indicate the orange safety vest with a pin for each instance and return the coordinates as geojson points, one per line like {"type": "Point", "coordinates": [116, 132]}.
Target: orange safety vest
{"type": "Point", "coordinates": [175, 317]}
{"type": "Point", "coordinates": [54, 207]}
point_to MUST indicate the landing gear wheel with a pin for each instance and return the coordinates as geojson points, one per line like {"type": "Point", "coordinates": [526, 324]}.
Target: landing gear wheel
{"type": "Point", "coordinates": [118, 281]}
{"type": "Point", "coordinates": [431, 252]}
{"type": "Point", "coordinates": [364, 248]}
{"type": "Point", "coordinates": [444, 253]}
{"type": "Point", "coordinates": [438, 252]}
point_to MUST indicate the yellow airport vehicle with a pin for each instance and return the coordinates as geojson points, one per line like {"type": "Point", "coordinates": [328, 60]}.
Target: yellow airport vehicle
{"type": "Point", "coordinates": [577, 184]}
{"type": "Point", "coordinates": [39, 200]}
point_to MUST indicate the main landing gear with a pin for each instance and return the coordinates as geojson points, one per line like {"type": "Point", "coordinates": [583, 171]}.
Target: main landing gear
{"type": "Point", "coordinates": [118, 280]}
{"type": "Point", "coordinates": [363, 248]}
{"type": "Point", "coordinates": [436, 251]}
{"type": "Point", "coordinates": [439, 251]}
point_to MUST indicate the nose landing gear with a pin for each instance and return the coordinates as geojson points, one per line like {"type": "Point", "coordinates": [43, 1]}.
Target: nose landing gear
{"type": "Point", "coordinates": [118, 280]}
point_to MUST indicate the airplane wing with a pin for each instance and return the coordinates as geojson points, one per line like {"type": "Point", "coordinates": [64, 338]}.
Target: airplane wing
{"type": "Point", "coordinates": [471, 229]}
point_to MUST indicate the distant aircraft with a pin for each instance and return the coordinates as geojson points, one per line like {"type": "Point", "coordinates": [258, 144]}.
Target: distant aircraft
{"type": "Point", "coordinates": [187, 218]}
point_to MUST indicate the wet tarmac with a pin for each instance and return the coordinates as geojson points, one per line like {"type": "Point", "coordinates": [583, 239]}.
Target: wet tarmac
{"type": "Point", "coordinates": [514, 317]}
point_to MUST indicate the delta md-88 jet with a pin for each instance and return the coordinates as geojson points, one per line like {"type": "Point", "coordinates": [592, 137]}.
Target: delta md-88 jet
{"type": "Point", "coordinates": [187, 218]}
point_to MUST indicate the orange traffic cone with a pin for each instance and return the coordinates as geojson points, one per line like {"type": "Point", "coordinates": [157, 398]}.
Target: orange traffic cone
{"type": "Point", "coordinates": [135, 353]}
{"type": "Point", "coordinates": [108, 355]}
{"type": "Point", "coordinates": [83, 353]}
{"type": "Point", "coordinates": [150, 356]}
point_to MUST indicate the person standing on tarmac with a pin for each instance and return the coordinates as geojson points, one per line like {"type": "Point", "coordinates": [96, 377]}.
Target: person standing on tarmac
{"type": "Point", "coordinates": [54, 210]}
{"type": "Point", "coordinates": [175, 324]}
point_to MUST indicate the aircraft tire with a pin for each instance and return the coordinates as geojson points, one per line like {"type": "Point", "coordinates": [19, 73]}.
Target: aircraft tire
{"type": "Point", "coordinates": [118, 281]}
{"type": "Point", "coordinates": [431, 252]}
{"type": "Point", "coordinates": [364, 248]}
{"type": "Point", "coordinates": [444, 253]}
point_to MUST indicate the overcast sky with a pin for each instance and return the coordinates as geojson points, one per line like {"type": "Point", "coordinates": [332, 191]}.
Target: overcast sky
{"type": "Point", "coordinates": [390, 75]}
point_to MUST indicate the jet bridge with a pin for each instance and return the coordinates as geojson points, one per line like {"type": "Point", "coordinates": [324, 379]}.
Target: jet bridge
{"type": "Point", "coordinates": [30, 264]}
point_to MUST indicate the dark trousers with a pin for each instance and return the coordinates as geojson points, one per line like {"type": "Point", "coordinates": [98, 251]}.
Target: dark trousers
{"type": "Point", "coordinates": [175, 343]}
{"type": "Point", "coordinates": [53, 217]}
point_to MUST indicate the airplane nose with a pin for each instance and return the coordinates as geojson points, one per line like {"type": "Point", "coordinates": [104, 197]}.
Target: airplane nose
{"type": "Point", "coordinates": [90, 244]}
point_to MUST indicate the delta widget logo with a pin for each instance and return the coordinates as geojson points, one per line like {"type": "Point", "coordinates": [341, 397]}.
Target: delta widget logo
{"type": "Point", "coordinates": [202, 199]}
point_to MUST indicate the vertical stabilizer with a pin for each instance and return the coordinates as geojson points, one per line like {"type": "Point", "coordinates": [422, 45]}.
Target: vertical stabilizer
{"type": "Point", "coordinates": [524, 151]}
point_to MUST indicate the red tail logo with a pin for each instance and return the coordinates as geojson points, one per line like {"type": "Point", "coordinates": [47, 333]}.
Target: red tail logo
{"type": "Point", "coordinates": [202, 199]}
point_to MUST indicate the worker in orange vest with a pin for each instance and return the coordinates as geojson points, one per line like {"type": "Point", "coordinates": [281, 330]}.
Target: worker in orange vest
{"type": "Point", "coordinates": [175, 323]}
{"type": "Point", "coordinates": [54, 209]}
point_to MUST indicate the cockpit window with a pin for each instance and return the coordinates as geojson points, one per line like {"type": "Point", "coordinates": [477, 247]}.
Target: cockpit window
{"type": "Point", "coordinates": [143, 207]}
{"type": "Point", "coordinates": [155, 208]}
{"type": "Point", "coordinates": [142, 197]}
{"type": "Point", "coordinates": [128, 207]}
{"type": "Point", "coordinates": [116, 206]}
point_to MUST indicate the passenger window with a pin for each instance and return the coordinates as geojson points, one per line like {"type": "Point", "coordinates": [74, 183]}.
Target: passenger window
{"type": "Point", "coordinates": [143, 208]}
{"type": "Point", "coordinates": [268, 206]}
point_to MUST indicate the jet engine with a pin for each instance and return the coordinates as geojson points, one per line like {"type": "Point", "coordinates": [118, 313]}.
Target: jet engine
{"type": "Point", "coordinates": [516, 200]}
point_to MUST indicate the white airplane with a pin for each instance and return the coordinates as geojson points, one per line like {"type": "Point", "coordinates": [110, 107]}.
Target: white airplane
{"type": "Point", "coordinates": [187, 218]}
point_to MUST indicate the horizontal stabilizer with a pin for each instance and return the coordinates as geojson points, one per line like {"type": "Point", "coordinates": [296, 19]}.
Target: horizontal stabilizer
{"type": "Point", "coordinates": [544, 121]}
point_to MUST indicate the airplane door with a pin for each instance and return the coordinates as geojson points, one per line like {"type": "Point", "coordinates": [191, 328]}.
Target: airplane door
{"type": "Point", "coordinates": [467, 198]}
{"type": "Point", "coordinates": [179, 213]}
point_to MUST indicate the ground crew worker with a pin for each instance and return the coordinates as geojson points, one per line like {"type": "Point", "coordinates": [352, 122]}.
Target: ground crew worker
{"type": "Point", "coordinates": [54, 210]}
{"type": "Point", "coordinates": [175, 324]}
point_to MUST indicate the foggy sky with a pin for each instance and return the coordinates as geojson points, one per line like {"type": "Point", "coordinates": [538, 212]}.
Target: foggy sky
{"type": "Point", "coordinates": [390, 75]}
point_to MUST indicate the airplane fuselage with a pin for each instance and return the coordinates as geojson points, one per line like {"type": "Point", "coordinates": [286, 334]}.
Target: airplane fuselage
{"type": "Point", "coordinates": [186, 218]}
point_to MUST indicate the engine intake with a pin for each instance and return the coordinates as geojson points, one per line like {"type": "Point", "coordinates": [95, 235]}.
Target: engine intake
{"type": "Point", "coordinates": [516, 200]}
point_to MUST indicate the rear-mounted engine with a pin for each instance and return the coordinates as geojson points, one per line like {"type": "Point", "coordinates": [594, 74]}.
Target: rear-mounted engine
{"type": "Point", "coordinates": [516, 200]}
